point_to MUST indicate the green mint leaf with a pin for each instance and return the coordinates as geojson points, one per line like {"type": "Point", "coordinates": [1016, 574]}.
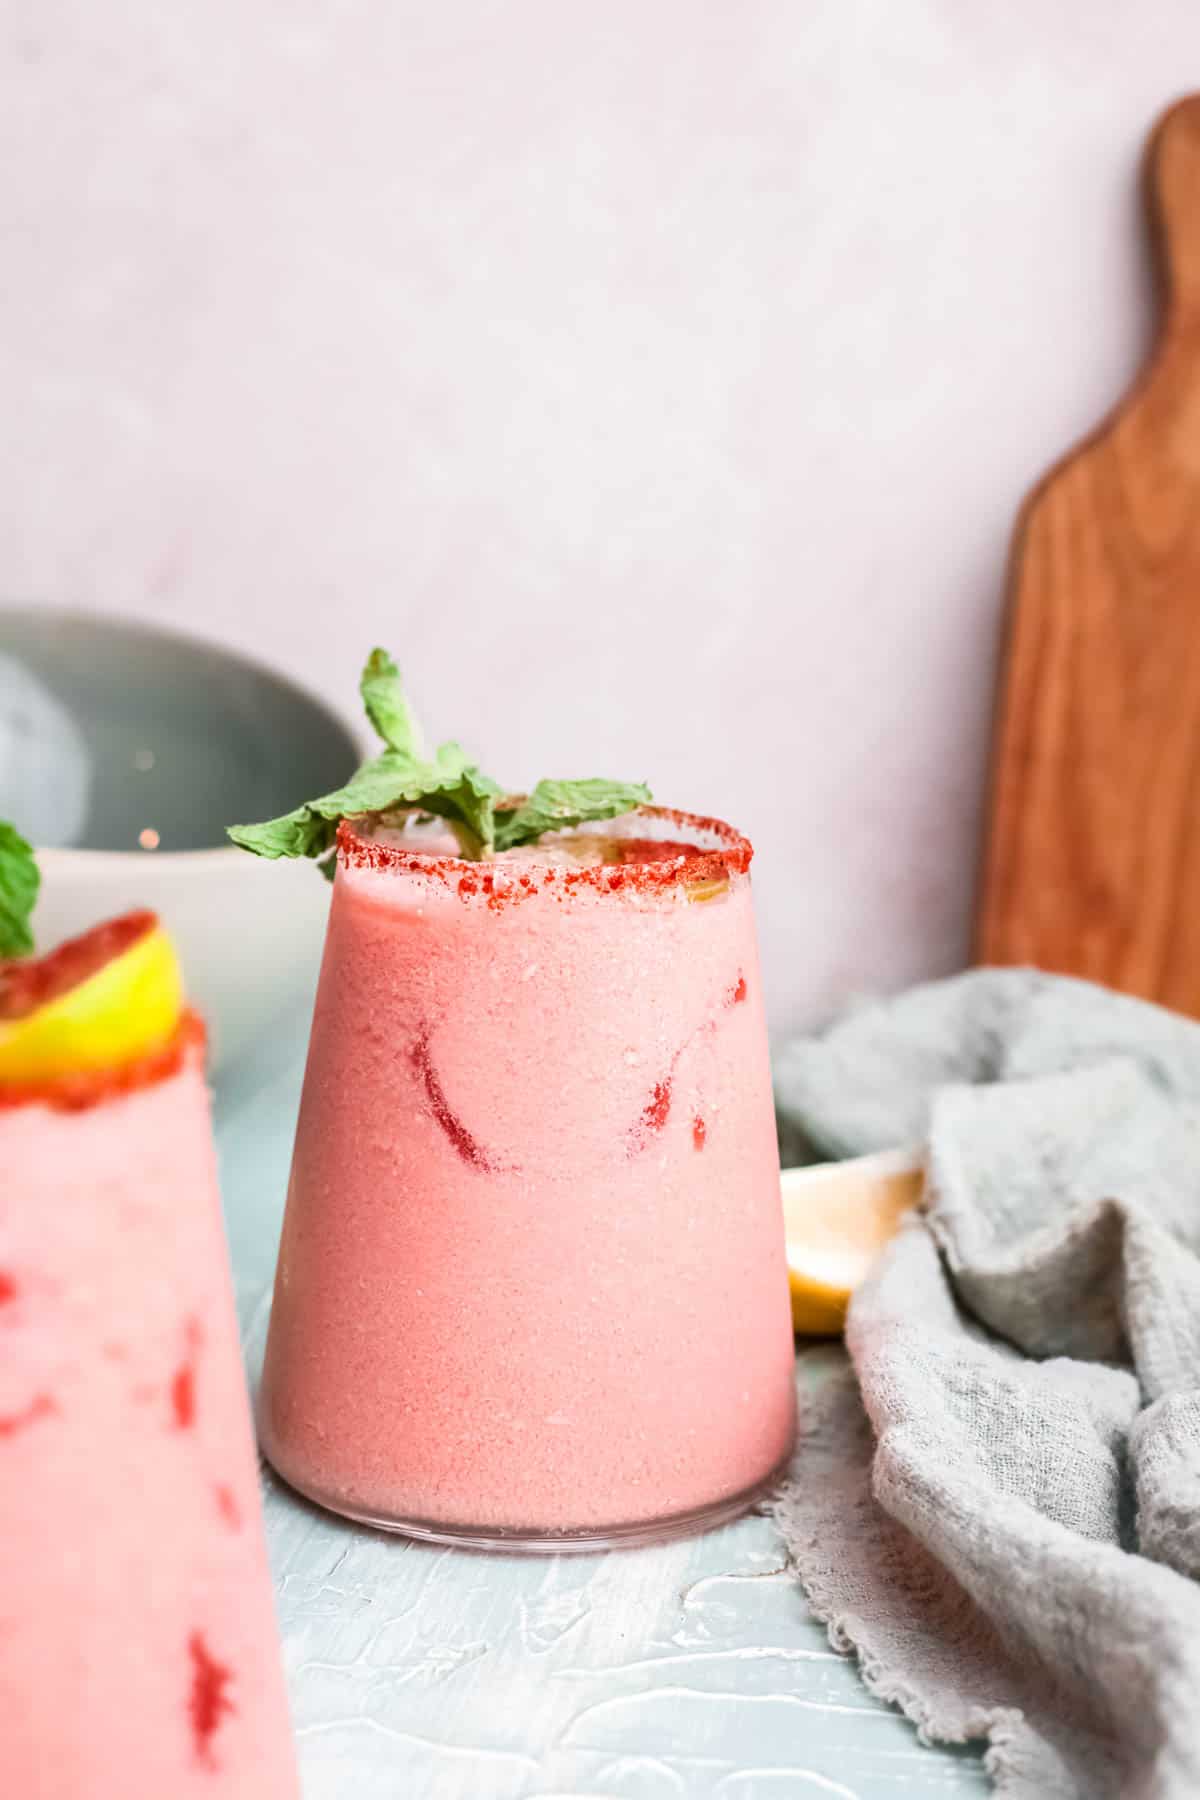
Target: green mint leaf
{"type": "Point", "coordinates": [467, 803]}
{"type": "Point", "coordinates": [389, 712]}
{"type": "Point", "coordinates": [448, 786]}
{"type": "Point", "coordinates": [19, 881]}
{"type": "Point", "coordinates": [561, 805]}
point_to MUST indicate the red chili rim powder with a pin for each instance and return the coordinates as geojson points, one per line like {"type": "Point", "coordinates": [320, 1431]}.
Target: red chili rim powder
{"type": "Point", "coordinates": [683, 864]}
{"type": "Point", "coordinates": [32, 982]}
{"type": "Point", "coordinates": [82, 1090]}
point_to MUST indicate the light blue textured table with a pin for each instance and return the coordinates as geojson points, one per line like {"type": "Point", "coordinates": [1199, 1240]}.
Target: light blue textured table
{"type": "Point", "coordinates": [690, 1672]}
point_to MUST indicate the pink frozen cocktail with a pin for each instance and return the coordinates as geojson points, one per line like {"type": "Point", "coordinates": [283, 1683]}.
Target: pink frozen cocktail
{"type": "Point", "coordinates": [138, 1653]}
{"type": "Point", "coordinates": [532, 1286]}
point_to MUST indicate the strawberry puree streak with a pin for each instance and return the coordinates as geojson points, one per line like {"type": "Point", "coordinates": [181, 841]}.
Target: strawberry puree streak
{"type": "Point", "coordinates": [134, 1616]}
{"type": "Point", "coordinates": [511, 1296]}
{"type": "Point", "coordinates": [209, 1701]}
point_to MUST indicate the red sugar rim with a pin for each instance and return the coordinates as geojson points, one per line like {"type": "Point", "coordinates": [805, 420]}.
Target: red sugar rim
{"type": "Point", "coordinates": [684, 864]}
{"type": "Point", "coordinates": [84, 1089]}
{"type": "Point", "coordinates": [35, 981]}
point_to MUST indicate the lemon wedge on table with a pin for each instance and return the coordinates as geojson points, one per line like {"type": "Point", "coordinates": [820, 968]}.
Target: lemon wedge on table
{"type": "Point", "coordinates": [97, 1002]}
{"type": "Point", "coordinates": [837, 1218]}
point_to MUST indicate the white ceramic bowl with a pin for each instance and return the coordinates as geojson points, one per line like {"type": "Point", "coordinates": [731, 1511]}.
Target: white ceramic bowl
{"type": "Point", "coordinates": [115, 737]}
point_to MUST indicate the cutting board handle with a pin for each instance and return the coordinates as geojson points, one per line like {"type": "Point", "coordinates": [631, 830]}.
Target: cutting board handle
{"type": "Point", "coordinates": [1092, 865]}
{"type": "Point", "coordinates": [1174, 180]}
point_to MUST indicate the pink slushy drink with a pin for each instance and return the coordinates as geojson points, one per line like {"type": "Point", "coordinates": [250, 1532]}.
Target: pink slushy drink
{"type": "Point", "coordinates": [139, 1658]}
{"type": "Point", "coordinates": [532, 1288]}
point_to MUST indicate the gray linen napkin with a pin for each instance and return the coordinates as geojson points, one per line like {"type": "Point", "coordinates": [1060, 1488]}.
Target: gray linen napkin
{"type": "Point", "coordinates": [999, 1507]}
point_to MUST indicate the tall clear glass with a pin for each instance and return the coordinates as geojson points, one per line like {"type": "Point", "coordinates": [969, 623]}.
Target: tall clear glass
{"type": "Point", "coordinates": [531, 1288]}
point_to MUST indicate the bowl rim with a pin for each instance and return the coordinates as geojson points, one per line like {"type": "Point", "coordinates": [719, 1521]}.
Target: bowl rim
{"type": "Point", "coordinates": [64, 857]}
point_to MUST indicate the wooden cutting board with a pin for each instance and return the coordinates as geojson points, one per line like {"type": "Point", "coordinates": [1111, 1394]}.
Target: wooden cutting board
{"type": "Point", "coordinates": [1092, 860]}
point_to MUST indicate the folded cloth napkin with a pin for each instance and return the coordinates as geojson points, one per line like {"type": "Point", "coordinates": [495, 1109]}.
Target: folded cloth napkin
{"type": "Point", "coordinates": [998, 1508]}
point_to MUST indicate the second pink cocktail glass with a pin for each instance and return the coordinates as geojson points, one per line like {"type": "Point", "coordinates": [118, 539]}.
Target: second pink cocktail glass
{"type": "Point", "coordinates": [531, 1290]}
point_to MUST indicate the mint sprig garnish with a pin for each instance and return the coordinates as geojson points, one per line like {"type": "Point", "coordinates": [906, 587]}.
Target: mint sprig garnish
{"type": "Point", "coordinates": [561, 805]}
{"type": "Point", "coordinates": [446, 784]}
{"type": "Point", "coordinates": [19, 882]}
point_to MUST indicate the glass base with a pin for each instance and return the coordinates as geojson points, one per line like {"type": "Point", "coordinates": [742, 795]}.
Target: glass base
{"type": "Point", "coordinates": [554, 1543]}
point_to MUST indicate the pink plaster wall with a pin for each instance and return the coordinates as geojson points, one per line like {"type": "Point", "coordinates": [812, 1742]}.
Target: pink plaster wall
{"type": "Point", "coordinates": [657, 379]}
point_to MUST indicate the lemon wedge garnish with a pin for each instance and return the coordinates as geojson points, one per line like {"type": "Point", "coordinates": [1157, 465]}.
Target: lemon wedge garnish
{"type": "Point", "coordinates": [126, 1008]}
{"type": "Point", "coordinates": [837, 1218]}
